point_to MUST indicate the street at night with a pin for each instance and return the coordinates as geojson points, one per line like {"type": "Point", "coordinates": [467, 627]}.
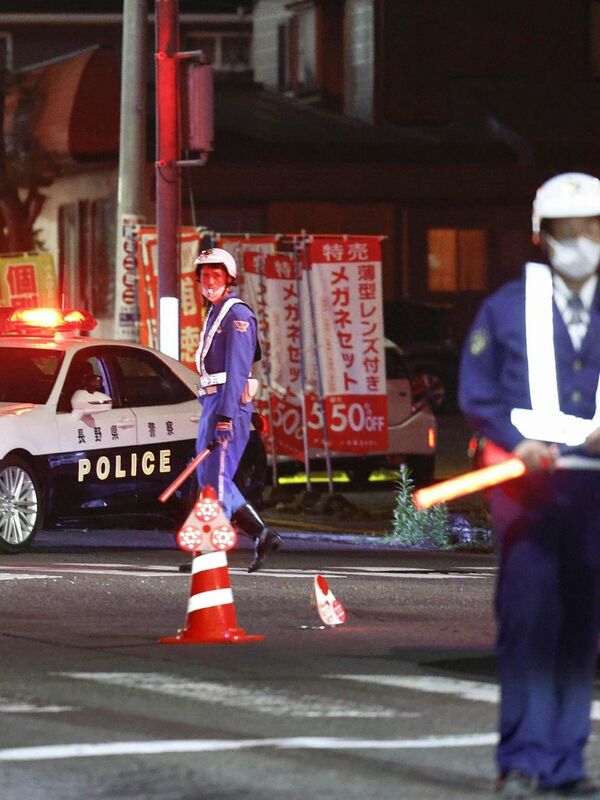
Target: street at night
{"type": "Point", "coordinates": [398, 702]}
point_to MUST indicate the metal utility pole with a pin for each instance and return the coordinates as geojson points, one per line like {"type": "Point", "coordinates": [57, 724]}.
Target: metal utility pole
{"type": "Point", "coordinates": [167, 174]}
{"type": "Point", "coordinates": [132, 164]}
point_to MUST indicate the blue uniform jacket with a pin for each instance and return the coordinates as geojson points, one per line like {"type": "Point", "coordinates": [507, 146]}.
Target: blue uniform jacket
{"type": "Point", "coordinates": [494, 375]}
{"type": "Point", "coordinates": [232, 351]}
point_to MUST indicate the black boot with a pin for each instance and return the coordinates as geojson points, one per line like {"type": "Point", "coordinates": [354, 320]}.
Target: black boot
{"type": "Point", "coordinates": [248, 522]}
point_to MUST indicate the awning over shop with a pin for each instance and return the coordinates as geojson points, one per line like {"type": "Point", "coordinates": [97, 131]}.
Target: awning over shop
{"type": "Point", "coordinates": [67, 107]}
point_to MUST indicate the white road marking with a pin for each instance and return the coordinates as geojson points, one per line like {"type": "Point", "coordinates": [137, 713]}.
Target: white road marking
{"type": "Point", "coordinates": [103, 749]}
{"type": "Point", "coordinates": [30, 708]}
{"type": "Point", "coordinates": [465, 689]}
{"type": "Point", "coordinates": [125, 570]}
{"type": "Point", "coordinates": [158, 571]}
{"type": "Point", "coordinates": [275, 702]}
{"type": "Point", "coordinates": [11, 576]}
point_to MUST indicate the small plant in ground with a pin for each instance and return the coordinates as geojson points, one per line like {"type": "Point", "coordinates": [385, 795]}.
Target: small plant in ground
{"type": "Point", "coordinates": [413, 527]}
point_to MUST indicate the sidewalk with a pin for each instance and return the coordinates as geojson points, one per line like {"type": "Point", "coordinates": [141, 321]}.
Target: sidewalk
{"type": "Point", "coordinates": [368, 515]}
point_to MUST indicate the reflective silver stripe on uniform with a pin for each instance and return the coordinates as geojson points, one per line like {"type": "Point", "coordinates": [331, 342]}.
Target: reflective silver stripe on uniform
{"type": "Point", "coordinates": [544, 420]}
{"type": "Point", "coordinates": [206, 338]}
{"type": "Point", "coordinates": [215, 597]}
{"type": "Point", "coordinates": [222, 471]}
{"type": "Point", "coordinates": [209, 561]}
{"type": "Point", "coordinates": [214, 379]}
{"type": "Point", "coordinates": [541, 363]}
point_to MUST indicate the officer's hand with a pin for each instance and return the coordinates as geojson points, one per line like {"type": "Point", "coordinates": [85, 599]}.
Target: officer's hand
{"type": "Point", "coordinates": [537, 455]}
{"type": "Point", "coordinates": [223, 429]}
{"type": "Point", "coordinates": [592, 443]}
{"type": "Point", "coordinates": [260, 423]}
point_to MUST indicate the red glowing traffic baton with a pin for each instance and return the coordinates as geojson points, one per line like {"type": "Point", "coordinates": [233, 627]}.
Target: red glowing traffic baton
{"type": "Point", "coordinates": [185, 474]}
{"type": "Point", "coordinates": [468, 483]}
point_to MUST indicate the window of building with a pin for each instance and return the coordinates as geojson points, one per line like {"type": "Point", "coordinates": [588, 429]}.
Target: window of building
{"type": "Point", "coordinates": [456, 259]}
{"type": "Point", "coordinates": [298, 50]}
{"type": "Point", "coordinates": [227, 51]}
{"type": "Point", "coordinates": [359, 59]}
{"type": "Point", "coordinates": [86, 244]}
{"type": "Point", "coordinates": [595, 38]}
{"type": "Point", "coordinates": [6, 50]}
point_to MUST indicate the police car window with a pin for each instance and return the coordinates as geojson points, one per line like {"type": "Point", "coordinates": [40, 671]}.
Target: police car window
{"type": "Point", "coordinates": [144, 380]}
{"type": "Point", "coordinates": [85, 372]}
{"type": "Point", "coordinates": [27, 375]}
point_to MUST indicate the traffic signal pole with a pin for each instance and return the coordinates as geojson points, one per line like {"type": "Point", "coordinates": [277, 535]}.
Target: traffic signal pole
{"type": "Point", "coordinates": [132, 167]}
{"type": "Point", "coordinates": [168, 191]}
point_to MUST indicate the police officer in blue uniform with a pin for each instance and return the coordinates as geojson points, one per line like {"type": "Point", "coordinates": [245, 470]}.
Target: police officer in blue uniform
{"type": "Point", "coordinates": [529, 383]}
{"type": "Point", "coordinates": [227, 349]}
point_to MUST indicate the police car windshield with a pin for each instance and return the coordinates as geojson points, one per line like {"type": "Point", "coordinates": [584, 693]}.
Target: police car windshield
{"type": "Point", "coordinates": [27, 375]}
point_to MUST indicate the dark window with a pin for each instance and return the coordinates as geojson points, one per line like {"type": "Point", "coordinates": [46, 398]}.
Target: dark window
{"type": "Point", "coordinates": [144, 380]}
{"type": "Point", "coordinates": [86, 234]}
{"type": "Point", "coordinates": [395, 365]}
{"type": "Point", "coordinates": [457, 259]}
{"type": "Point", "coordinates": [85, 372]}
{"type": "Point", "coordinates": [27, 375]}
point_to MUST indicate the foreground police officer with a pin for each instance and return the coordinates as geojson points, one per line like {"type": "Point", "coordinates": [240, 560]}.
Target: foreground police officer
{"type": "Point", "coordinates": [227, 349]}
{"type": "Point", "coordinates": [530, 384]}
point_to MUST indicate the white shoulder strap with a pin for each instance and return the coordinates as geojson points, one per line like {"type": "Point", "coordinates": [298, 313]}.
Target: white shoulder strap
{"type": "Point", "coordinates": [207, 337]}
{"type": "Point", "coordinates": [544, 420]}
{"type": "Point", "coordinates": [541, 361]}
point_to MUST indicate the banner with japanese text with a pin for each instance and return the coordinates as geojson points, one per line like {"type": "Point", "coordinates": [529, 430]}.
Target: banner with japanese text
{"type": "Point", "coordinates": [249, 252]}
{"type": "Point", "coordinates": [292, 358]}
{"type": "Point", "coordinates": [190, 319]}
{"type": "Point", "coordinates": [28, 280]}
{"type": "Point", "coordinates": [127, 317]}
{"type": "Point", "coordinates": [344, 281]}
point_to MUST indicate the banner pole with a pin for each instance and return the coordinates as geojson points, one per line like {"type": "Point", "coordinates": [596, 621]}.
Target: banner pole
{"type": "Point", "coordinates": [298, 269]}
{"type": "Point", "coordinates": [311, 303]}
{"type": "Point", "coordinates": [260, 261]}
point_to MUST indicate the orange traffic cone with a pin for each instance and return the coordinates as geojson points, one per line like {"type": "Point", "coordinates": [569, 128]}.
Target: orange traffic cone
{"type": "Point", "coordinates": [211, 617]}
{"type": "Point", "coordinates": [331, 611]}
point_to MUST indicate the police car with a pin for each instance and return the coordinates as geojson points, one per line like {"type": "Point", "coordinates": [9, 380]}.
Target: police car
{"type": "Point", "coordinates": [90, 429]}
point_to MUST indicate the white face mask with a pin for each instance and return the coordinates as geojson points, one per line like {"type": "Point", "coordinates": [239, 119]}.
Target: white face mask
{"type": "Point", "coordinates": [574, 258]}
{"type": "Point", "coordinates": [214, 295]}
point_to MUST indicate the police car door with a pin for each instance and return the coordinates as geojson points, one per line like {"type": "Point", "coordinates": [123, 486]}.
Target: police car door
{"type": "Point", "coordinates": [167, 412]}
{"type": "Point", "coordinates": [93, 473]}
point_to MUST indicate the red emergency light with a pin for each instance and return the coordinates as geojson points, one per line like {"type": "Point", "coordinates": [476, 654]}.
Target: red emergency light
{"type": "Point", "coordinates": [26, 320]}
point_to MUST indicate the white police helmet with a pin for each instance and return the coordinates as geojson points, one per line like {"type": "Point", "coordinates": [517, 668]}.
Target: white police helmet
{"type": "Point", "coordinates": [217, 257]}
{"type": "Point", "coordinates": [572, 194]}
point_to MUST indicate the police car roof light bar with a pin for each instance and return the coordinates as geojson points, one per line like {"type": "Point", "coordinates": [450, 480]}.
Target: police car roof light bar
{"type": "Point", "coordinates": [469, 482]}
{"type": "Point", "coordinates": [185, 474]}
{"type": "Point", "coordinates": [27, 320]}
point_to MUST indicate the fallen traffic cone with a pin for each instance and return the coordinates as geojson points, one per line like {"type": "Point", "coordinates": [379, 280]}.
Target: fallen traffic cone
{"type": "Point", "coordinates": [211, 617]}
{"type": "Point", "coordinates": [331, 611]}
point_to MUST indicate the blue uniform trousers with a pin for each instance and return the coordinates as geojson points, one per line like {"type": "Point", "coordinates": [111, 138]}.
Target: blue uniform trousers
{"type": "Point", "coordinates": [547, 605]}
{"type": "Point", "coordinates": [210, 469]}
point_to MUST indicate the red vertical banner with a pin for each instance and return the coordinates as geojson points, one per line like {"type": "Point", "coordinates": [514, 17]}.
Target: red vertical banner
{"type": "Point", "coordinates": [191, 297]}
{"type": "Point", "coordinates": [345, 283]}
{"type": "Point", "coordinates": [28, 280]}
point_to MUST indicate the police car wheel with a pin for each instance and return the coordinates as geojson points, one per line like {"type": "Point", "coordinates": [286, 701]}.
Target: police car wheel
{"type": "Point", "coordinates": [20, 505]}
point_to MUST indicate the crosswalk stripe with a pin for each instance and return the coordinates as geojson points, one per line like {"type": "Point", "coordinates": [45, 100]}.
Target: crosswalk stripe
{"type": "Point", "coordinates": [465, 689]}
{"type": "Point", "coordinates": [276, 702]}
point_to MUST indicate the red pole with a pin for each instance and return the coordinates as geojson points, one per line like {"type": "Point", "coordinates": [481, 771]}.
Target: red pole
{"type": "Point", "coordinates": [167, 151]}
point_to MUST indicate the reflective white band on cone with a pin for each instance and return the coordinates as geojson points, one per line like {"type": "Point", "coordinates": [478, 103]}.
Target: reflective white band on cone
{"type": "Point", "coordinates": [216, 597]}
{"type": "Point", "coordinates": [209, 561]}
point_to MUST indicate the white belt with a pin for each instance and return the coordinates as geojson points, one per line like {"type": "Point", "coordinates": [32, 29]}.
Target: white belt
{"type": "Point", "coordinates": [553, 427]}
{"type": "Point", "coordinates": [212, 380]}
